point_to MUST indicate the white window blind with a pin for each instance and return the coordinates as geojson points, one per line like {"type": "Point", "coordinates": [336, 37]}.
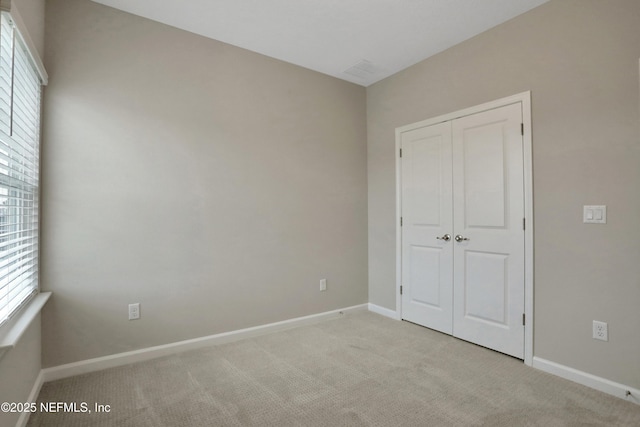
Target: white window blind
{"type": "Point", "coordinates": [20, 90]}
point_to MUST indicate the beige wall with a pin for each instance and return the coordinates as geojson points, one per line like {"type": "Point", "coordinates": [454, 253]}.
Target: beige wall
{"type": "Point", "coordinates": [213, 185]}
{"type": "Point", "coordinates": [32, 13]}
{"type": "Point", "coordinates": [19, 368]}
{"type": "Point", "coordinates": [579, 58]}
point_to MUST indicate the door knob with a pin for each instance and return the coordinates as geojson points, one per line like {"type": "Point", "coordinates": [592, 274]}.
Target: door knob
{"type": "Point", "coordinates": [459, 238]}
{"type": "Point", "coordinates": [446, 237]}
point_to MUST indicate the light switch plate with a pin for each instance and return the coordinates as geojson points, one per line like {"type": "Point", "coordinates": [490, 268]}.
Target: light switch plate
{"type": "Point", "coordinates": [594, 214]}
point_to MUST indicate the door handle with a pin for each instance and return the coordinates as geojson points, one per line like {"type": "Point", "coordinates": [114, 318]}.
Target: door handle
{"type": "Point", "coordinates": [446, 237]}
{"type": "Point", "coordinates": [459, 238]}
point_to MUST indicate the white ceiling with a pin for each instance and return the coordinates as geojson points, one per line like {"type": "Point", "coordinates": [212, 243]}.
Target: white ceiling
{"type": "Point", "coordinates": [378, 37]}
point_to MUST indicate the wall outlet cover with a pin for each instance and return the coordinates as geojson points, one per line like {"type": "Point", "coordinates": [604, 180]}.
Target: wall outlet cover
{"type": "Point", "coordinates": [600, 331]}
{"type": "Point", "coordinates": [594, 214]}
{"type": "Point", "coordinates": [134, 311]}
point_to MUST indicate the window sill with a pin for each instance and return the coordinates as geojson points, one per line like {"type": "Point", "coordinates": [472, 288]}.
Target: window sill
{"type": "Point", "coordinates": [11, 333]}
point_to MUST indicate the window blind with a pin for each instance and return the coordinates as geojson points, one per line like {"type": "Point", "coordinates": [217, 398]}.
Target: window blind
{"type": "Point", "coordinates": [20, 91]}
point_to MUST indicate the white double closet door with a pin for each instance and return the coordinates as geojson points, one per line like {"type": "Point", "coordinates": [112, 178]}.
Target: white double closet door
{"type": "Point", "coordinates": [462, 207]}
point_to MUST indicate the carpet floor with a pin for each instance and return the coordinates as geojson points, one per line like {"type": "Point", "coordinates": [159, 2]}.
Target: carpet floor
{"type": "Point", "coordinates": [361, 369]}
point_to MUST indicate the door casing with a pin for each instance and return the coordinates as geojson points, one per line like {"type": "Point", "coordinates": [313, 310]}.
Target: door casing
{"type": "Point", "coordinates": [525, 99]}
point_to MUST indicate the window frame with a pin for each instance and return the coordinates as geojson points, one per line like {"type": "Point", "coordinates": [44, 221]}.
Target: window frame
{"type": "Point", "coordinates": [20, 168]}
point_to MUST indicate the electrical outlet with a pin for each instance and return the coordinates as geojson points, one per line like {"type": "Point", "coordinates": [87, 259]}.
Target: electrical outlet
{"type": "Point", "coordinates": [600, 331]}
{"type": "Point", "coordinates": [134, 311]}
{"type": "Point", "coordinates": [323, 285]}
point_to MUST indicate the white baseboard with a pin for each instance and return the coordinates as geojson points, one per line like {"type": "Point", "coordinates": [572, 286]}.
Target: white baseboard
{"type": "Point", "coordinates": [120, 359]}
{"type": "Point", "coordinates": [33, 396]}
{"type": "Point", "coordinates": [384, 311]}
{"type": "Point", "coordinates": [589, 380]}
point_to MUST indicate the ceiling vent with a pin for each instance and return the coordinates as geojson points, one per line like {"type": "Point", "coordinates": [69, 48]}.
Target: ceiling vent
{"type": "Point", "coordinates": [363, 70]}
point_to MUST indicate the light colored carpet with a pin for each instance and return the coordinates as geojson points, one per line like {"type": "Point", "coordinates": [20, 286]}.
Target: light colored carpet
{"type": "Point", "coordinates": [359, 370]}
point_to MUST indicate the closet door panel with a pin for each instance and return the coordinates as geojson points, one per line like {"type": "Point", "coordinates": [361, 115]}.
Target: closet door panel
{"type": "Point", "coordinates": [488, 214]}
{"type": "Point", "coordinates": [427, 259]}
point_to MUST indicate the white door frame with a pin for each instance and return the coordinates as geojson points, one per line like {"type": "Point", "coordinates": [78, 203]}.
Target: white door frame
{"type": "Point", "coordinates": [525, 99]}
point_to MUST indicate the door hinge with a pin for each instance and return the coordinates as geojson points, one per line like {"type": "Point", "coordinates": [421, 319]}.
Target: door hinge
{"type": "Point", "coordinates": [522, 129]}
{"type": "Point", "coordinates": [524, 223]}
{"type": "Point", "coordinates": [401, 152]}
{"type": "Point", "coordinates": [523, 319]}
{"type": "Point", "coordinates": [400, 221]}
{"type": "Point", "coordinates": [400, 289]}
